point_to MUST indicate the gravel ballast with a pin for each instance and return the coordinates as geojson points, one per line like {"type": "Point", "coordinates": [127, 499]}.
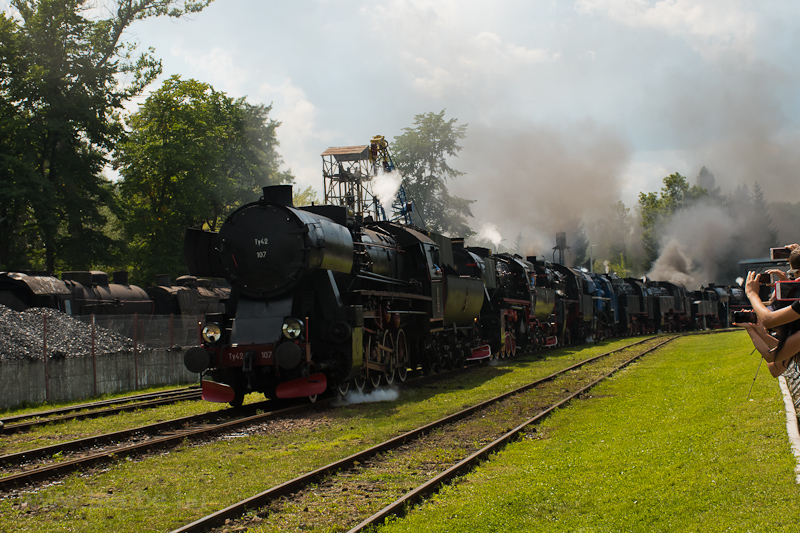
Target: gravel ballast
{"type": "Point", "coordinates": [21, 335]}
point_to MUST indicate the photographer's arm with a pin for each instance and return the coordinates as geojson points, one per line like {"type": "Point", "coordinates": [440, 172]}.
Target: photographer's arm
{"type": "Point", "coordinates": [763, 341]}
{"type": "Point", "coordinates": [770, 319]}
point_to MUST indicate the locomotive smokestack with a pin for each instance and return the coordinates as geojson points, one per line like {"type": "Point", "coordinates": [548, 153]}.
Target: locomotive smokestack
{"type": "Point", "coordinates": [279, 194]}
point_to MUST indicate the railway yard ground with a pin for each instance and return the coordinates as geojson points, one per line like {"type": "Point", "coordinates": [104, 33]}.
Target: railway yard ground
{"type": "Point", "coordinates": [671, 442]}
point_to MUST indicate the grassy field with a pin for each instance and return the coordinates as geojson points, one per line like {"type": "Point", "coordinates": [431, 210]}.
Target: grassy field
{"type": "Point", "coordinates": [671, 444]}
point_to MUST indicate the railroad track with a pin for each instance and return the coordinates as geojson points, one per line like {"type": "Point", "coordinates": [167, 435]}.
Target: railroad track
{"type": "Point", "coordinates": [428, 456]}
{"type": "Point", "coordinates": [25, 422]}
{"type": "Point", "coordinates": [22, 468]}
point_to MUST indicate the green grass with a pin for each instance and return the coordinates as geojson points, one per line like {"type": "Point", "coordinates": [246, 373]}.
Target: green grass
{"type": "Point", "coordinates": [671, 444]}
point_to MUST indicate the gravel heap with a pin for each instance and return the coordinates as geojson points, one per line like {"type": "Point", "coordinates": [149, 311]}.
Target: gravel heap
{"type": "Point", "coordinates": [21, 335]}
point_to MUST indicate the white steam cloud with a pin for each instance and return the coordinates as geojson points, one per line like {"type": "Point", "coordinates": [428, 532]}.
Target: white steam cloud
{"type": "Point", "coordinates": [385, 186]}
{"type": "Point", "coordinates": [378, 395]}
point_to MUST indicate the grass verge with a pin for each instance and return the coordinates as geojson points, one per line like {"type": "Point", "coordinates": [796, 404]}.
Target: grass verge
{"type": "Point", "coordinates": [671, 444]}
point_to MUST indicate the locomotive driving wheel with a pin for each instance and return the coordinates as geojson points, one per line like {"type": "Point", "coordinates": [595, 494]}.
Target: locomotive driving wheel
{"type": "Point", "coordinates": [388, 356]}
{"type": "Point", "coordinates": [401, 353]}
{"type": "Point", "coordinates": [510, 346]}
{"type": "Point", "coordinates": [373, 356]}
{"type": "Point", "coordinates": [343, 387]}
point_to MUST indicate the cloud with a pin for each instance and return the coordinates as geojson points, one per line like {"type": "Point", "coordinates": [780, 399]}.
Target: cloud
{"type": "Point", "coordinates": [302, 140]}
{"type": "Point", "coordinates": [710, 26]}
{"type": "Point", "coordinates": [445, 49]}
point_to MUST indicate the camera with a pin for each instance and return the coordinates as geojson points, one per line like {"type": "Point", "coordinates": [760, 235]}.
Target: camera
{"type": "Point", "coordinates": [741, 317]}
{"type": "Point", "coordinates": [779, 253]}
{"type": "Point", "coordinates": [764, 278]}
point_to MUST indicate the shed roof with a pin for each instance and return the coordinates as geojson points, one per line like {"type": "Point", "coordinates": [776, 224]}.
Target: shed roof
{"type": "Point", "coordinates": [348, 153]}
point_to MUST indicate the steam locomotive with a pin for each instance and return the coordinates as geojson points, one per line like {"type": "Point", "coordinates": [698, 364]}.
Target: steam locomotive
{"type": "Point", "coordinates": [324, 299]}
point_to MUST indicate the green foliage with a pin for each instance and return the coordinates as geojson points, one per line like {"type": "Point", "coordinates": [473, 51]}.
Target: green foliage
{"type": "Point", "coordinates": [307, 196]}
{"type": "Point", "coordinates": [59, 104]}
{"type": "Point", "coordinates": [620, 267]}
{"type": "Point", "coordinates": [420, 154]}
{"type": "Point", "coordinates": [657, 209]}
{"type": "Point", "coordinates": [193, 155]}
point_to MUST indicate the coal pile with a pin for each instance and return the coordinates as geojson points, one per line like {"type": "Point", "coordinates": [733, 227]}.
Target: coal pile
{"type": "Point", "coordinates": [21, 335]}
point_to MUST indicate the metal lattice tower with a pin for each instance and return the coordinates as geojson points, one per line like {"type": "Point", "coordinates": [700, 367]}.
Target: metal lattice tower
{"type": "Point", "coordinates": [348, 174]}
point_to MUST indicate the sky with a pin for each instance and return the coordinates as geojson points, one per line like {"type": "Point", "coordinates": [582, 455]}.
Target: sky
{"type": "Point", "coordinates": [569, 106]}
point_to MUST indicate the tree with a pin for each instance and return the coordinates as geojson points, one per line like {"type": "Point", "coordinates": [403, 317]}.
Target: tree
{"type": "Point", "coordinates": [192, 156]}
{"type": "Point", "coordinates": [420, 154]}
{"type": "Point", "coordinates": [307, 196]}
{"type": "Point", "coordinates": [656, 210]}
{"type": "Point", "coordinates": [60, 99]}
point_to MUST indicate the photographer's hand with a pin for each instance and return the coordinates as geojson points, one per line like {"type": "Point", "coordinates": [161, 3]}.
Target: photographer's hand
{"type": "Point", "coordinates": [751, 285]}
{"type": "Point", "coordinates": [780, 274]}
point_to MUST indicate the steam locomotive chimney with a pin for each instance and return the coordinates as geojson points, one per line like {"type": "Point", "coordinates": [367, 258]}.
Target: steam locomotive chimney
{"type": "Point", "coordinates": [279, 194]}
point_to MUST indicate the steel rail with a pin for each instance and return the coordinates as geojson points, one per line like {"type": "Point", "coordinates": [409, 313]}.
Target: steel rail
{"type": "Point", "coordinates": [8, 429]}
{"type": "Point", "coordinates": [63, 467]}
{"type": "Point", "coordinates": [100, 403]}
{"type": "Point", "coordinates": [287, 488]}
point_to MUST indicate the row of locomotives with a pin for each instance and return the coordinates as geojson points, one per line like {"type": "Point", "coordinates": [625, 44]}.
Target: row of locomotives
{"type": "Point", "coordinates": [710, 309]}
{"type": "Point", "coordinates": [635, 306]}
{"type": "Point", "coordinates": [671, 306]}
{"type": "Point", "coordinates": [507, 311]}
{"type": "Point", "coordinates": [575, 313]}
{"type": "Point", "coordinates": [606, 312]}
{"type": "Point", "coordinates": [544, 329]}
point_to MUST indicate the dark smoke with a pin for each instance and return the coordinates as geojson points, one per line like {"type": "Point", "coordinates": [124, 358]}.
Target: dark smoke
{"type": "Point", "coordinates": [536, 180]}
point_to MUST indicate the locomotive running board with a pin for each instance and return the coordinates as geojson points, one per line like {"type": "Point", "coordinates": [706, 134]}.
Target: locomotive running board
{"type": "Point", "coordinates": [301, 387]}
{"type": "Point", "coordinates": [217, 392]}
{"type": "Point", "coordinates": [481, 352]}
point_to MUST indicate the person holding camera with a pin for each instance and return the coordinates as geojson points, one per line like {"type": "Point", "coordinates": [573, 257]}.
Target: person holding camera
{"type": "Point", "coordinates": [778, 350]}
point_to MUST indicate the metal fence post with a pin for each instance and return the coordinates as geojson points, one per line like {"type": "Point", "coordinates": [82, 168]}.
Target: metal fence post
{"type": "Point", "coordinates": [135, 351]}
{"type": "Point", "coordinates": [94, 356]}
{"type": "Point", "coordinates": [44, 355]}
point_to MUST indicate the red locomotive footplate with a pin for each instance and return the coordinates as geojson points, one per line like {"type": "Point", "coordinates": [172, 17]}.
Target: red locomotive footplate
{"type": "Point", "coordinates": [481, 352]}
{"type": "Point", "coordinates": [217, 392]}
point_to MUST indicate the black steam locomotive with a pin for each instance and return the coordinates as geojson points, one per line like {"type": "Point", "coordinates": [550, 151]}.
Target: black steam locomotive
{"type": "Point", "coordinates": [323, 299]}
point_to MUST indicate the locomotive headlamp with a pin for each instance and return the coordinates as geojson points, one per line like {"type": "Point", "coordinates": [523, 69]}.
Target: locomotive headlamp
{"type": "Point", "coordinates": [292, 328]}
{"type": "Point", "coordinates": [212, 332]}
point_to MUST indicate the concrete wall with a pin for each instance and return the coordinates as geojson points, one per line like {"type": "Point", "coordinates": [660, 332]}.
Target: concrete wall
{"type": "Point", "coordinates": [82, 377]}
